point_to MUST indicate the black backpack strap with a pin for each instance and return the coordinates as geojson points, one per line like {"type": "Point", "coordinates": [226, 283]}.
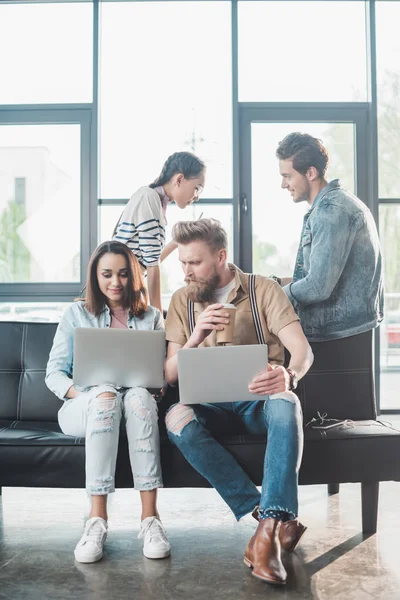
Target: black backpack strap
{"type": "Point", "coordinates": [192, 323]}
{"type": "Point", "coordinates": [254, 309]}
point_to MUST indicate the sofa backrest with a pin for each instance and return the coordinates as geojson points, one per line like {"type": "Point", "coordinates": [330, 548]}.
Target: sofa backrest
{"type": "Point", "coordinates": [339, 383]}
{"type": "Point", "coordinates": [341, 380]}
{"type": "Point", "coordinates": [24, 351]}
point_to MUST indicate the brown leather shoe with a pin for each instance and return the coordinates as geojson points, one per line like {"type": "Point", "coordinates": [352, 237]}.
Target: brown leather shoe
{"type": "Point", "coordinates": [290, 532]}
{"type": "Point", "coordinates": [263, 553]}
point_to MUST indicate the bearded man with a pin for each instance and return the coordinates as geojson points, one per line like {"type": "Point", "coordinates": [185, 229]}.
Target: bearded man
{"type": "Point", "coordinates": [263, 315]}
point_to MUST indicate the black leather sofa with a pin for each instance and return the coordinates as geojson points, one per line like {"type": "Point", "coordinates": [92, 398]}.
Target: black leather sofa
{"type": "Point", "coordinates": [34, 453]}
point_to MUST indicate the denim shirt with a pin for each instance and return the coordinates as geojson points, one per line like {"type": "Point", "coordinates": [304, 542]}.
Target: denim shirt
{"type": "Point", "coordinates": [59, 372]}
{"type": "Point", "coordinates": [337, 288]}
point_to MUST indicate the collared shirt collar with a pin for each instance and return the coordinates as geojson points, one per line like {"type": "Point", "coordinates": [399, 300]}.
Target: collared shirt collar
{"type": "Point", "coordinates": [332, 185]}
{"type": "Point", "coordinates": [241, 281]}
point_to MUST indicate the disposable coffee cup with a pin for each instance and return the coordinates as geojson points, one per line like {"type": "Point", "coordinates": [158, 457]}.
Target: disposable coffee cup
{"type": "Point", "coordinates": [225, 335]}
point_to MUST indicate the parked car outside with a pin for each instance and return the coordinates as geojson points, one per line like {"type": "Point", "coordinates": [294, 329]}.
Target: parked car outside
{"type": "Point", "coordinates": [391, 327]}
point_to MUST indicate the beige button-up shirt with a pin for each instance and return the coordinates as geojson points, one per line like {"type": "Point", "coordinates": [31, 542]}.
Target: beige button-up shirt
{"type": "Point", "coordinates": [273, 305]}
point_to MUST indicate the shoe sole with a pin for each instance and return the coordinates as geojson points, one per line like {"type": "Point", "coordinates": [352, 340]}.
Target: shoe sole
{"type": "Point", "coordinates": [156, 555]}
{"type": "Point", "coordinates": [87, 561]}
{"type": "Point", "coordinates": [297, 541]}
{"type": "Point", "coordinates": [271, 581]}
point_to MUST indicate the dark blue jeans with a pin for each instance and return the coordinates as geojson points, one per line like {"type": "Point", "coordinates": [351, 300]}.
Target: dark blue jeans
{"type": "Point", "coordinates": [191, 429]}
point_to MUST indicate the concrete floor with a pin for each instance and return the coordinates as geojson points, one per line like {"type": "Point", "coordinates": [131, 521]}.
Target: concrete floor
{"type": "Point", "coordinates": [39, 529]}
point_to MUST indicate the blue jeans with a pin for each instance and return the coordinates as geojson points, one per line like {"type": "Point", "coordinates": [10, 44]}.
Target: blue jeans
{"type": "Point", "coordinates": [191, 429]}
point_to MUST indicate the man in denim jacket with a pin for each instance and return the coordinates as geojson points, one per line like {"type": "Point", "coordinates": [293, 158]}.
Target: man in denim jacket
{"type": "Point", "coordinates": [337, 288]}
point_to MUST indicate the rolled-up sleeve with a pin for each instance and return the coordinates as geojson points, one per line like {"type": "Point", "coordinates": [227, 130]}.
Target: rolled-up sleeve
{"type": "Point", "coordinates": [286, 289]}
{"type": "Point", "coordinates": [277, 308]}
{"type": "Point", "coordinates": [59, 366]}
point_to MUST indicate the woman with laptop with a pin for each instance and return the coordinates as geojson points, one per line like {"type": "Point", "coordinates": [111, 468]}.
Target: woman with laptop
{"type": "Point", "coordinates": [141, 226]}
{"type": "Point", "coordinates": [116, 298]}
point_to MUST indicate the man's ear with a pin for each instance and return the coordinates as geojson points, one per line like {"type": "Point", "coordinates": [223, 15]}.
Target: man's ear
{"type": "Point", "coordinates": [222, 256]}
{"type": "Point", "coordinates": [312, 174]}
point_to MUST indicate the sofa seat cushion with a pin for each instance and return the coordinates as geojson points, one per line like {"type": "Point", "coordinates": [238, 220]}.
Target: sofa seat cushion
{"type": "Point", "coordinates": [35, 453]}
{"type": "Point", "coordinates": [38, 433]}
{"type": "Point", "coordinates": [367, 451]}
{"type": "Point", "coordinates": [360, 453]}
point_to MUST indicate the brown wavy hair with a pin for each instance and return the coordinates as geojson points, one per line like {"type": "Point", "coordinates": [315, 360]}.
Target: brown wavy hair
{"type": "Point", "coordinates": [135, 299]}
{"type": "Point", "coordinates": [304, 151]}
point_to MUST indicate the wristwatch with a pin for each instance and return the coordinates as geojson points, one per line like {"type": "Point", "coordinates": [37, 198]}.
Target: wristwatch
{"type": "Point", "coordinates": [293, 380]}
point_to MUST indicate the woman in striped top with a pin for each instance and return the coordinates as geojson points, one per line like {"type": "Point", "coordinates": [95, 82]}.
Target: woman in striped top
{"type": "Point", "coordinates": [142, 224]}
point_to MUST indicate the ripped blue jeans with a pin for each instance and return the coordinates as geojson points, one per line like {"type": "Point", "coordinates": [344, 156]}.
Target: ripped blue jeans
{"type": "Point", "coordinates": [191, 429]}
{"type": "Point", "coordinates": [97, 418]}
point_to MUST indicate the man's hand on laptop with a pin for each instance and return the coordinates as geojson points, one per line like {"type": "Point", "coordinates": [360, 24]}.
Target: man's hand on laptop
{"type": "Point", "coordinates": [272, 380]}
{"type": "Point", "coordinates": [211, 319]}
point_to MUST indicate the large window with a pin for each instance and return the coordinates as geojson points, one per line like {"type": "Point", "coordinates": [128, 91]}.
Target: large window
{"type": "Point", "coordinates": [389, 225]}
{"type": "Point", "coordinates": [40, 203]}
{"type": "Point", "coordinates": [388, 75]}
{"type": "Point", "coordinates": [46, 53]}
{"type": "Point", "coordinates": [165, 86]}
{"type": "Point", "coordinates": [94, 96]}
{"type": "Point", "coordinates": [388, 95]}
{"type": "Point", "coordinates": [312, 51]}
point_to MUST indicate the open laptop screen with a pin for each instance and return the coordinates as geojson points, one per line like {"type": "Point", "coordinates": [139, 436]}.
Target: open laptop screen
{"type": "Point", "coordinates": [219, 374]}
{"type": "Point", "coordinates": [121, 357]}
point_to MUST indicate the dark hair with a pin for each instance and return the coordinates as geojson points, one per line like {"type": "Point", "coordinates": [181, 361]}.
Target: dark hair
{"type": "Point", "coordinates": [135, 292]}
{"type": "Point", "coordinates": [209, 231]}
{"type": "Point", "coordinates": [180, 162]}
{"type": "Point", "coordinates": [305, 151]}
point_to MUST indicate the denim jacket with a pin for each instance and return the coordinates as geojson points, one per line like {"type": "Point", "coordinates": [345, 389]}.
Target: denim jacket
{"type": "Point", "coordinates": [337, 288]}
{"type": "Point", "coordinates": [59, 372]}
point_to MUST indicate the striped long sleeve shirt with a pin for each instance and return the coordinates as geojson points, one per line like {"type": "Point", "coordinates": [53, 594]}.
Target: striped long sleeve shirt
{"type": "Point", "coordinates": [142, 227]}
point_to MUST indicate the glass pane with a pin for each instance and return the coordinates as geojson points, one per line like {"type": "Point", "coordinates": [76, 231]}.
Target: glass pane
{"type": "Point", "coordinates": [389, 226]}
{"type": "Point", "coordinates": [276, 220]}
{"type": "Point", "coordinates": [39, 203]}
{"type": "Point", "coordinates": [302, 51]}
{"type": "Point", "coordinates": [32, 312]}
{"type": "Point", "coordinates": [171, 271]}
{"type": "Point", "coordinates": [49, 53]}
{"type": "Point", "coordinates": [388, 79]}
{"type": "Point", "coordinates": [164, 90]}
{"type": "Point", "coordinates": [108, 217]}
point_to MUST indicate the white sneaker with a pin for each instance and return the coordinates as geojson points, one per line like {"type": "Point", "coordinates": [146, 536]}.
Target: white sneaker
{"type": "Point", "coordinates": [155, 544]}
{"type": "Point", "coordinates": [89, 549]}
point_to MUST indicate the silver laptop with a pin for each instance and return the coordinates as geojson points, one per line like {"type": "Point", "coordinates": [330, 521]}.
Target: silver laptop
{"type": "Point", "coordinates": [219, 374]}
{"type": "Point", "coordinates": [121, 357]}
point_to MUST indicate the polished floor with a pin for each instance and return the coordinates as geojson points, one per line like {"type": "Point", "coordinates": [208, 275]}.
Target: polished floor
{"type": "Point", "coordinates": [39, 528]}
